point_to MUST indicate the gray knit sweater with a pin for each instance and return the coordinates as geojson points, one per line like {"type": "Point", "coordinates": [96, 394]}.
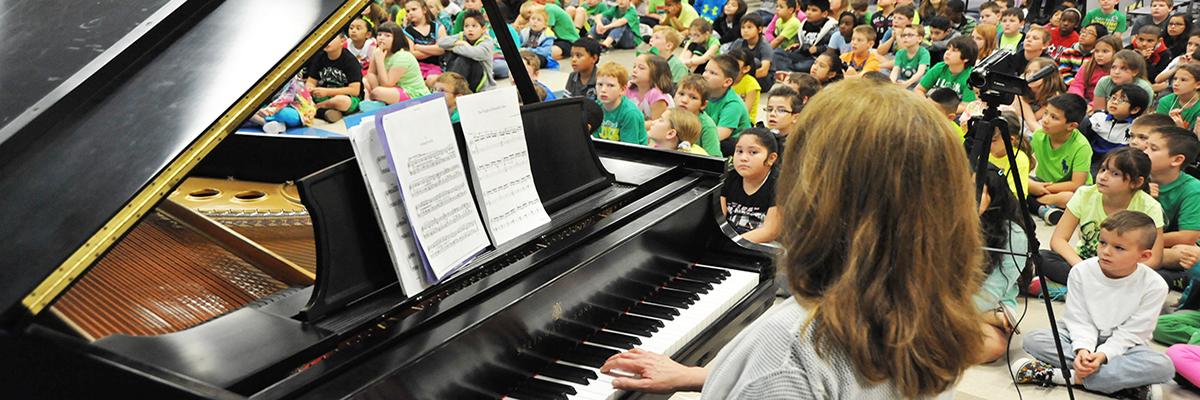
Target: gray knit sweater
{"type": "Point", "coordinates": [771, 359]}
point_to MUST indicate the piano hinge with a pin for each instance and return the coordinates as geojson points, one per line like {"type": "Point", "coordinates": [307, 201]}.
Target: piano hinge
{"type": "Point", "coordinates": [168, 178]}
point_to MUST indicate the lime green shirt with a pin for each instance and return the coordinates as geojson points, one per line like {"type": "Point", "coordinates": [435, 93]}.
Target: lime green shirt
{"type": "Point", "coordinates": [411, 81]}
{"type": "Point", "coordinates": [1088, 205]}
{"type": "Point", "coordinates": [788, 31]}
{"type": "Point", "coordinates": [1057, 164]}
{"type": "Point", "coordinates": [678, 70]}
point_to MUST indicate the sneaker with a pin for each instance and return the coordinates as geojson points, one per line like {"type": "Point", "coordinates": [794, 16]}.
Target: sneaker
{"type": "Point", "coordinates": [274, 127]}
{"type": "Point", "coordinates": [1028, 370]}
{"type": "Point", "coordinates": [1050, 214]}
{"type": "Point", "coordinates": [1148, 392]}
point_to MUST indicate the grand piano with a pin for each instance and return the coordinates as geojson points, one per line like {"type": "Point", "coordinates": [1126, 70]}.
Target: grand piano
{"type": "Point", "coordinates": [150, 253]}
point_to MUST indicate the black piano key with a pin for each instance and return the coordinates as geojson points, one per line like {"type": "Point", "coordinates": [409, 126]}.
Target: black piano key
{"type": "Point", "coordinates": [675, 296]}
{"type": "Point", "coordinates": [549, 387]}
{"type": "Point", "coordinates": [589, 355]}
{"type": "Point", "coordinates": [702, 276]}
{"type": "Point", "coordinates": [694, 297]}
{"type": "Point", "coordinates": [689, 286]}
{"type": "Point", "coordinates": [717, 271]}
{"type": "Point", "coordinates": [614, 339]}
{"type": "Point", "coordinates": [643, 320]}
{"type": "Point", "coordinates": [668, 301]}
{"type": "Point", "coordinates": [568, 373]}
{"type": "Point", "coordinates": [632, 328]}
{"type": "Point", "coordinates": [656, 311]}
{"type": "Point", "coordinates": [526, 392]}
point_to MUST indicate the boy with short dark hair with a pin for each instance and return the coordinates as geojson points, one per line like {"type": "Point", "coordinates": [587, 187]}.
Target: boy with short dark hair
{"type": "Point", "coordinates": [1160, 11]}
{"type": "Point", "coordinates": [724, 106]}
{"type": "Point", "coordinates": [956, 11]}
{"type": "Point", "coordinates": [1064, 156]}
{"type": "Point", "coordinates": [585, 54]}
{"type": "Point", "coordinates": [1113, 302]}
{"type": "Point", "coordinates": [1012, 25]}
{"type": "Point", "coordinates": [679, 16]}
{"type": "Point", "coordinates": [622, 119]}
{"type": "Point", "coordinates": [1171, 149]}
{"type": "Point", "coordinates": [334, 77]}
{"type": "Point", "coordinates": [752, 40]}
{"type": "Point", "coordinates": [814, 38]}
{"type": "Point", "coordinates": [901, 18]}
{"type": "Point", "coordinates": [692, 94]}
{"type": "Point", "coordinates": [953, 71]}
{"type": "Point", "coordinates": [947, 101]}
{"type": "Point", "coordinates": [787, 26]}
{"type": "Point", "coordinates": [1109, 16]}
{"type": "Point", "coordinates": [940, 36]}
{"type": "Point", "coordinates": [1064, 35]}
{"type": "Point", "coordinates": [1149, 44]}
{"type": "Point", "coordinates": [1109, 129]}
{"type": "Point", "coordinates": [989, 13]}
{"type": "Point", "coordinates": [881, 19]}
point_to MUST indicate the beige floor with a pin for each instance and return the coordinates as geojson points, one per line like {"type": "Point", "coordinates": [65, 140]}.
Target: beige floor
{"type": "Point", "coordinates": [982, 382]}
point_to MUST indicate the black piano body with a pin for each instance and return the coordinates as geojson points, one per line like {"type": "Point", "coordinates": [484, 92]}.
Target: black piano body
{"type": "Point", "coordinates": [628, 223]}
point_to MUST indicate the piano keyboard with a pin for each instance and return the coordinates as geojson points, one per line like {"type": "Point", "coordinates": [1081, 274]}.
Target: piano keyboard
{"type": "Point", "coordinates": [663, 322]}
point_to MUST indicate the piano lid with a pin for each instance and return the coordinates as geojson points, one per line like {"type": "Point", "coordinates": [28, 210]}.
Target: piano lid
{"type": "Point", "coordinates": [74, 178]}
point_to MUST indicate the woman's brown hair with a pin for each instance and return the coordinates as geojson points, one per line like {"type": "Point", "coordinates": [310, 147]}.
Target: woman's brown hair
{"type": "Point", "coordinates": [886, 271]}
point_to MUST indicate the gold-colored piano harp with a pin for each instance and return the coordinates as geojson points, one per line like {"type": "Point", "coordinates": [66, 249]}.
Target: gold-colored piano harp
{"type": "Point", "coordinates": [212, 247]}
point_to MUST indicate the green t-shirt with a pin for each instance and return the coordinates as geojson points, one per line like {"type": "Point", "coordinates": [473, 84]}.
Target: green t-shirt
{"type": "Point", "coordinates": [940, 76]}
{"type": "Point", "coordinates": [713, 41]}
{"type": "Point", "coordinates": [1180, 202]}
{"type": "Point", "coordinates": [678, 70]}
{"type": "Point", "coordinates": [1057, 164]}
{"type": "Point", "coordinates": [412, 82]}
{"type": "Point", "coordinates": [1171, 102]}
{"type": "Point", "coordinates": [729, 111]}
{"type": "Point", "coordinates": [600, 8]}
{"type": "Point", "coordinates": [631, 18]}
{"type": "Point", "coordinates": [624, 123]}
{"type": "Point", "coordinates": [788, 30]}
{"type": "Point", "coordinates": [909, 64]}
{"type": "Point", "coordinates": [1013, 43]}
{"type": "Point", "coordinates": [561, 23]}
{"type": "Point", "coordinates": [1115, 21]}
{"type": "Point", "coordinates": [1088, 205]}
{"type": "Point", "coordinates": [709, 139]}
{"type": "Point", "coordinates": [454, 115]}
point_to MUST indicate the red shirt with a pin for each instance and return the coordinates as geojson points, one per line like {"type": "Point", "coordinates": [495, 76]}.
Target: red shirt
{"type": "Point", "coordinates": [1059, 43]}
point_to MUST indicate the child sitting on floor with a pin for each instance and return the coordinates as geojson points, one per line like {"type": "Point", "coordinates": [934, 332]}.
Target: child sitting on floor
{"type": "Point", "coordinates": [1113, 302]}
{"type": "Point", "coordinates": [622, 120]}
{"type": "Point", "coordinates": [470, 52]}
{"type": "Point", "coordinates": [452, 85]}
{"type": "Point", "coordinates": [650, 86]}
{"type": "Point", "coordinates": [677, 129]}
{"type": "Point", "coordinates": [745, 85]}
{"type": "Point", "coordinates": [691, 94]}
{"type": "Point", "coordinates": [585, 55]}
{"type": "Point", "coordinates": [700, 47]}
{"type": "Point", "coordinates": [725, 107]}
{"type": "Point", "coordinates": [748, 196]}
{"type": "Point", "coordinates": [533, 64]}
{"type": "Point", "coordinates": [861, 57]}
{"type": "Point", "coordinates": [335, 80]}
{"type": "Point", "coordinates": [1064, 158]}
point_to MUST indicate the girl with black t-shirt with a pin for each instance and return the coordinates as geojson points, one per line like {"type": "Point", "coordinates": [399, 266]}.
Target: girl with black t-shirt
{"type": "Point", "coordinates": [748, 197]}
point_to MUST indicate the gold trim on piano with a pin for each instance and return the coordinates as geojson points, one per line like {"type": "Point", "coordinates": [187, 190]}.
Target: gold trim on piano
{"type": "Point", "coordinates": [161, 186]}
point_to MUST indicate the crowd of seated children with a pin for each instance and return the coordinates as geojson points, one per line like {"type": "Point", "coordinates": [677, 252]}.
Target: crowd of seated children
{"type": "Point", "coordinates": [1096, 66]}
{"type": "Point", "coordinates": [470, 53]}
{"type": "Point", "coordinates": [1162, 82]}
{"type": "Point", "coordinates": [360, 41]}
{"type": "Point", "coordinates": [753, 41]}
{"type": "Point", "coordinates": [1032, 105]}
{"type": "Point", "coordinates": [1122, 184]}
{"type": "Point", "coordinates": [1114, 299]}
{"type": "Point", "coordinates": [1071, 59]}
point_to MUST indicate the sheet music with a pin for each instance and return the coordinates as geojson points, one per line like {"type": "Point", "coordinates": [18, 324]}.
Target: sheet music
{"type": "Point", "coordinates": [499, 158]}
{"type": "Point", "coordinates": [420, 143]}
{"type": "Point", "coordinates": [384, 189]}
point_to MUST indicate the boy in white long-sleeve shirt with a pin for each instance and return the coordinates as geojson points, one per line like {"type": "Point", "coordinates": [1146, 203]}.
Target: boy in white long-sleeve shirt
{"type": "Point", "coordinates": [1113, 302]}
